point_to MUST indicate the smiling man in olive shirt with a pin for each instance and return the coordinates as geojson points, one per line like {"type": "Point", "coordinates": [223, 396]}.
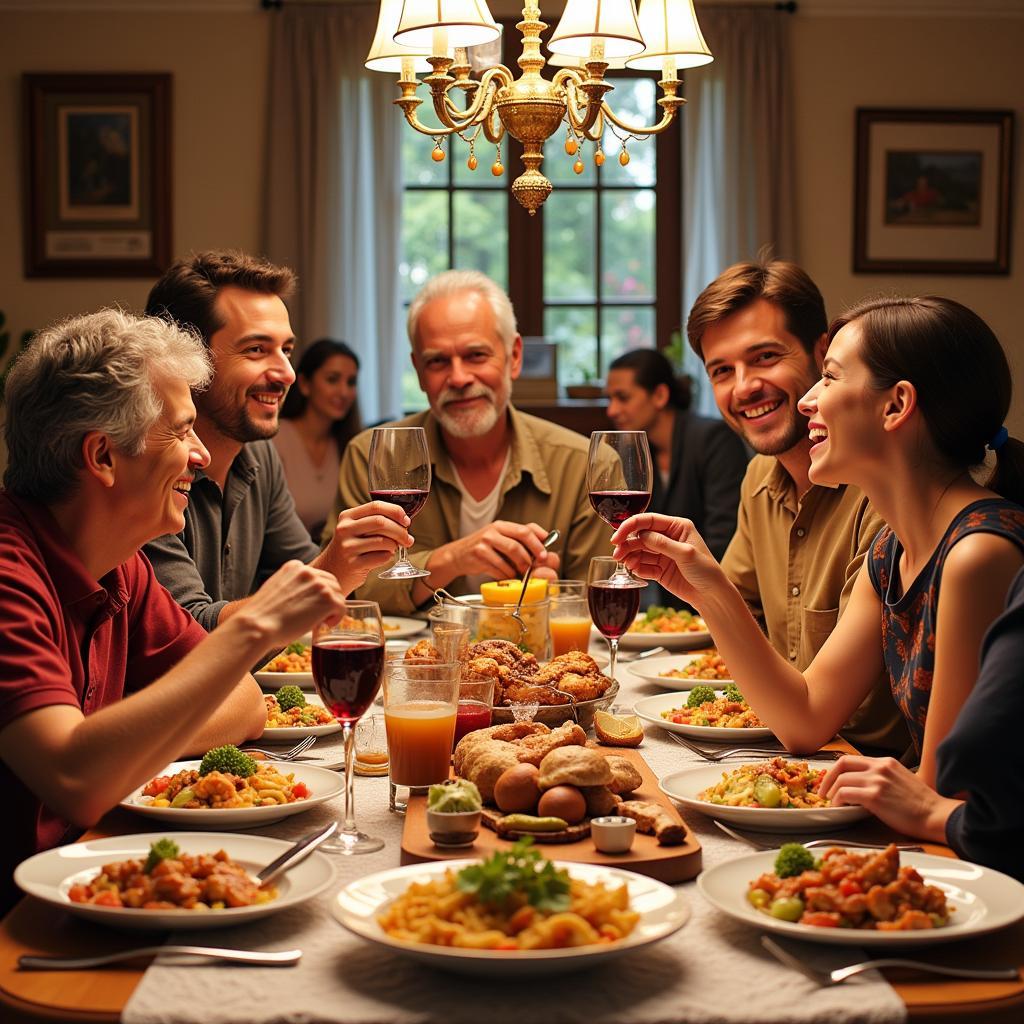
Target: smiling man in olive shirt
{"type": "Point", "coordinates": [501, 478]}
{"type": "Point", "coordinates": [761, 331]}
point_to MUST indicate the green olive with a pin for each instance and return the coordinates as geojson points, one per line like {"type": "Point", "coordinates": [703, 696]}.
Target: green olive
{"type": "Point", "coordinates": [760, 898]}
{"type": "Point", "coordinates": [787, 908]}
{"type": "Point", "coordinates": [767, 792]}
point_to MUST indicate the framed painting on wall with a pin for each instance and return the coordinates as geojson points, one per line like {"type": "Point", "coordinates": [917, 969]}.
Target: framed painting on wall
{"type": "Point", "coordinates": [97, 174]}
{"type": "Point", "coordinates": [933, 191]}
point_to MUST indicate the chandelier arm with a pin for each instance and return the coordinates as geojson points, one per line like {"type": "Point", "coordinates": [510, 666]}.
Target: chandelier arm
{"type": "Point", "coordinates": [413, 121]}
{"type": "Point", "coordinates": [668, 117]}
{"type": "Point", "coordinates": [494, 128]}
{"type": "Point", "coordinates": [491, 80]}
{"type": "Point", "coordinates": [584, 120]}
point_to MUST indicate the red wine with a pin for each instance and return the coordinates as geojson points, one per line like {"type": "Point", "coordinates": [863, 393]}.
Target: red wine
{"type": "Point", "coordinates": [613, 608]}
{"type": "Point", "coordinates": [469, 716]}
{"type": "Point", "coordinates": [410, 500]}
{"type": "Point", "coordinates": [348, 675]}
{"type": "Point", "coordinates": [615, 507]}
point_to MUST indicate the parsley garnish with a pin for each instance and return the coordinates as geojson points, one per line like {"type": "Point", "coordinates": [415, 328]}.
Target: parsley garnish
{"type": "Point", "coordinates": [295, 647]}
{"type": "Point", "coordinates": [520, 870]}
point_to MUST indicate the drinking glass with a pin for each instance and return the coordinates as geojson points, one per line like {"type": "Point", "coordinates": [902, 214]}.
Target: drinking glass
{"type": "Point", "coordinates": [569, 619]}
{"type": "Point", "coordinates": [348, 663]}
{"type": "Point", "coordinates": [619, 478]}
{"type": "Point", "coordinates": [420, 704]}
{"type": "Point", "coordinates": [400, 473]}
{"type": "Point", "coordinates": [371, 746]}
{"type": "Point", "coordinates": [476, 702]}
{"type": "Point", "coordinates": [614, 600]}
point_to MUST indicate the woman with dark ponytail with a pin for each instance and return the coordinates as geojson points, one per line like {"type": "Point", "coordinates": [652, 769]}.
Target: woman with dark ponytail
{"type": "Point", "coordinates": [913, 396]}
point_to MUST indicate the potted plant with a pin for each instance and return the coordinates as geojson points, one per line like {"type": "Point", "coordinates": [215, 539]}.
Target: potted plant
{"type": "Point", "coordinates": [590, 388]}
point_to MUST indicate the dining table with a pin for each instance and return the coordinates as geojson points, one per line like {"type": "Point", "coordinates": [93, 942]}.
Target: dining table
{"type": "Point", "coordinates": [711, 971]}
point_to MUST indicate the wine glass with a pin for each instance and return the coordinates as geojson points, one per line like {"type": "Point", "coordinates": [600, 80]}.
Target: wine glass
{"type": "Point", "coordinates": [348, 666]}
{"type": "Point", "coordinates": [619, 478]}
{"type": "Point", "coordinates": [400, 473]}
{"type": "Point", "coordinates": [613, 604]}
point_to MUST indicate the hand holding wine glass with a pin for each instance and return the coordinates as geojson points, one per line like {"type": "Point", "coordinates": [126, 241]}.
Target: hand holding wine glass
{"type": "Point", "coordinates": [400, 473]}
{"type": "Point", "coordinates": [613, 605]}
{"type": "Point", "coordinates": [620, 477]}
{"type": "Point", "coordinates": [348, 666]}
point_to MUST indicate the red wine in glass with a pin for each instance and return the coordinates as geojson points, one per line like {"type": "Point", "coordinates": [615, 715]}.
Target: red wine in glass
{"type": "Point", "coordinates": [613, 608]}
{"type": "Point", "coordinates": [411, 501]}
{"type": "Point", "coordinates": [615, 507]}
{"type": "Point", "coordinates": [348, 674]}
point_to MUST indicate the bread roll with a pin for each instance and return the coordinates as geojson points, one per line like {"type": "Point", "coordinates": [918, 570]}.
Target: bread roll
{"type": "Point", "coordinates": [484, 762]}
{"type": "Point", "coordinates": [600, 800]}
{"type": "Point", "coordinates": [625, 778]}
{"type": "Point", "coordinates": [574, 766]}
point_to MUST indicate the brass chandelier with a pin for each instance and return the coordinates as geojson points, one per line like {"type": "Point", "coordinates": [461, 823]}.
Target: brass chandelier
{"type": "Point", "coordinates": [419, 35]}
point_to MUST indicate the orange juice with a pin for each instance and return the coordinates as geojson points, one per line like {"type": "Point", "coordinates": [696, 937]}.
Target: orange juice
{"type": "Point", "coordinates": [420, 734]}
{"type": "Point", "coordinates": [569, 635]}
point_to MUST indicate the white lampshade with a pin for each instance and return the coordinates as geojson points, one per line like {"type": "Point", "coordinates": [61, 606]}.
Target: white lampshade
{"type": "Point", "coordinates": [670, 30]}
{"type": "Point", "coordinates": [612, 22]}
{"type": "Point", "coordinates": [560, 60]}
{"type": "Point", "coordinates": [385, 54]}
{"type": "Point", "coordinates": [466, 22]}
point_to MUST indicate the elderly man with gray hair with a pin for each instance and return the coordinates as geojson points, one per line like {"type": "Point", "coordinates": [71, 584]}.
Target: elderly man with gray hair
{"type": "Point", "coordinates": [501, 478]}
{"type": "Point", "coordinates": [104, 679]}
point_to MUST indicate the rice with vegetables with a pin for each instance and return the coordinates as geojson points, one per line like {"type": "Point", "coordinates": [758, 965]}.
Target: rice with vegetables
{"type": "Point", "coordinates": [777, 784]}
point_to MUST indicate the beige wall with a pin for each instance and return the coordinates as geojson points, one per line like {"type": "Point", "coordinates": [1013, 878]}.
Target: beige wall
{"type": "Point", "coordinates": [219, 66]}
{"type": "Point", "coordinates": [842, 63]}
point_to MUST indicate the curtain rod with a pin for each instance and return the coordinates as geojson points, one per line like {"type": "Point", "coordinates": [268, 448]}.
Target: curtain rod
{"type": "Point", "coordinates": [785, 6]}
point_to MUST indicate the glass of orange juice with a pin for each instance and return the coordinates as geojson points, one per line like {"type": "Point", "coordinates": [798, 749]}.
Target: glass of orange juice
{"type": "Point", "coordinates": [569, 618]}
{"type": "Point", "coordinates": [420, 705]}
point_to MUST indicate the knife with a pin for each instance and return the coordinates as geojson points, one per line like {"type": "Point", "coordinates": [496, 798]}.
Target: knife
{"type": "Point", "coordinates": [295, 854]}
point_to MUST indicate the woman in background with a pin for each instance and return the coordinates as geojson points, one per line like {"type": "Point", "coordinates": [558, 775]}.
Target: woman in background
{"type": "Point", "coordinates": [319, 417]}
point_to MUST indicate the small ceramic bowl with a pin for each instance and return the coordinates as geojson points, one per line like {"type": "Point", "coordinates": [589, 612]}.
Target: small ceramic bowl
{"type": "Point", "coordinates": [453, 828]}
{"type": "Point", "coordinates": [612, 834]}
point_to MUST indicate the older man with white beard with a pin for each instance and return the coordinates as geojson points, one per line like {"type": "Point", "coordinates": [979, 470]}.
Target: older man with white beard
{"type": "Point", "coordinates": [501, 479]}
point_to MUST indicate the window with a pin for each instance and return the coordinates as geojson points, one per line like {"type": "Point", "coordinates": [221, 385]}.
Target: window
{"type": "Point", "coordinates": [597, 270]}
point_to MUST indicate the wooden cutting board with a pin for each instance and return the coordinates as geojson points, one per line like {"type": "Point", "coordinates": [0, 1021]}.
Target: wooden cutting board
{"type": "Point", "coordinates": [665, 863]}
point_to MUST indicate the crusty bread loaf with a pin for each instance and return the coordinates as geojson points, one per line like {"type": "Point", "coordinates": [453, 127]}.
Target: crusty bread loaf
{"type": "Point", "coordinates": [625, 778]}
{"type": "Point", "coordinates": [600, 800]}
{"type": "Point", "coordinates": [485, 761]}
{"type": "Point", "coordinates": [574, 766]}
{"type": "Point", "coordinates": [508, 731]}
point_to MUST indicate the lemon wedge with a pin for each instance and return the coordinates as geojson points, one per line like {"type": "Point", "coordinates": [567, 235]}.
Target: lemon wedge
{"type": "Point", "coordinates": [618, 730]}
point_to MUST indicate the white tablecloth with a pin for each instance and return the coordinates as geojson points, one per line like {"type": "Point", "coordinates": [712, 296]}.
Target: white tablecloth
{"type": "Point", "coordinates": [713, 971]}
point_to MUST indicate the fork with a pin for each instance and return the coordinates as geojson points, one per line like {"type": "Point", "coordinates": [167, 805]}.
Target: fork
{"type": "Point", "coordinates": [284, 958]}
{"type": "Point", "coordinates": [759, 844]}
{"type": "Point", "coordinates": [287, 755]}
{"type": "Point", "coordinates": [840, 974]}
{"type": "Point", "coordinates": [718, 755]}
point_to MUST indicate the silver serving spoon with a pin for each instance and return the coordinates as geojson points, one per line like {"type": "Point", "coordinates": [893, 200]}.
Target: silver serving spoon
{"type": "Point", "coordinates": [547, 542]}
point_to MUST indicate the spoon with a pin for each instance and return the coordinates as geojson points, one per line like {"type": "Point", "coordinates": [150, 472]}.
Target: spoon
{"type": "Point", "coordinates": [547, 542]}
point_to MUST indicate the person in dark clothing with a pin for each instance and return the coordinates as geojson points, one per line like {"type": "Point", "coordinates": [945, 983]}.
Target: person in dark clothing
{"type": "Point", "coordinates": [699, 462]}
{"type": "Point", "coordinates": [979, 807]}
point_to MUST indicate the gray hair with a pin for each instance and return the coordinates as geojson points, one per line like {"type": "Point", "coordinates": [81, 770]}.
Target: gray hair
{"type": "Point", "coordinates": [97, 372]}
{"type": "Point", "coordinates": [451, 282]}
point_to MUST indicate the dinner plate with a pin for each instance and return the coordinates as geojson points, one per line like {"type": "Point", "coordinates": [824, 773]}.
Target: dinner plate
{"type": "Point", "coordinates": [397, 628]}
{"type": "Point", "coordinates": [662, 909]}
{"type": "Point", "coordinates": [323, 785]}
{"type": "Point", "coordinates": [297, 732]}
{"type": "Point", "coordinates": [684, 786]}
{"type": "Point", "coordinates": [670, 641]}
{"type": "Point", "coordinates": [985, 900]}
{"type": "Point", "coordinates": [271, 682]}
{"type": "Point", "coordinates": [48, 876]}
{"type": "Point", "coordinates": [650, 709]}
{"type": "Point", "coordinates": [650, 670]}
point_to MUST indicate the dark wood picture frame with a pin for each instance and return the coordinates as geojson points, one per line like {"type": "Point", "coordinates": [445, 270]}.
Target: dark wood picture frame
{"type": "Point", "coordinates": [97, 174]}
{"type": "Point", "coordinates": [933, 191]}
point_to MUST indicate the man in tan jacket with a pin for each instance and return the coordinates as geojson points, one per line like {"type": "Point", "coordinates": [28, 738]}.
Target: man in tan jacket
{"type": "Point", "coordinates": [501, 479]}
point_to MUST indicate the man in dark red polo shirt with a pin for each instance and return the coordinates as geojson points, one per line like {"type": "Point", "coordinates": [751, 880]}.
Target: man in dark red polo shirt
{"type": "Point", "coordinates": [100, 687]}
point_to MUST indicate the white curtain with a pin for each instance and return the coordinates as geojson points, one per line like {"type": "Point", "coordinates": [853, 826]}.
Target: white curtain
{"type": "Point", "coordinates": [737, 153]}
{"type": "Point", "coordinates": [333, 205]}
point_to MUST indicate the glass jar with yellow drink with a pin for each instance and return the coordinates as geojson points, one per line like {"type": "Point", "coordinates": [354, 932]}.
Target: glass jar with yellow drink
{"type": "Point", "coordinates": [489, 617]}
{"type": "Point", "coordinates": [569, 617]}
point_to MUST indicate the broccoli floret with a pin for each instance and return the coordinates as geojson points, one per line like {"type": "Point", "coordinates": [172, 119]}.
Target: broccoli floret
{"type": "Point", "coordinates": [290, 697]}
{"type": "Point", "coordinates": [228, 759]}
{"type": "Point", "coordinates": [700, 695]}
{"type": "Point", "coordinates": [792, 859]}
{"type": "Point", "coordinates": [295, 647]}
{"type": "Point", "coordinates": [732, 692]}
{"type": "Point", "coordinates": [162, 849]}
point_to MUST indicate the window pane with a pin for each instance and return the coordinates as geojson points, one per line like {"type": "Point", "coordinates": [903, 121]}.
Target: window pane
{"type": "Point", "coordinates": [417, 166]}
{"type": "Point", "coordinates": [481, 234]}
{"type": "Point", "coordinates": [569, 249]}
{"type": "Point", "coordinates": [627, 244]}
{"type": "Point", "coordinates": [413, 399]}
{"type": "Point", "coordinates": [575, 331]}
{"type": "Point", "coordinates": [424, 238]}
{"type": "Point", "coordinates": [557, 164]}
{"type": "Point", "coordinates": [623, 328]}
{"type": "Point", "coordinates": [458, 153]}
{"type": "Point", "coordinates": [633, 100]}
